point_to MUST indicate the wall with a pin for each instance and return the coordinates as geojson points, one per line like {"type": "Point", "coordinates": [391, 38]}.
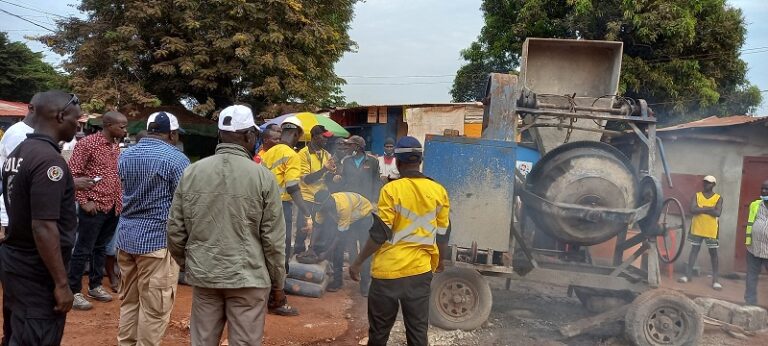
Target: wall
{"type": "Point", "coordinates": [718, 152]}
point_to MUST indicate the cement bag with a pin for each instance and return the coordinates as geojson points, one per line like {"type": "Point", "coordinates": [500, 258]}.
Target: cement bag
{"type": "Point", "coordinates": [303, 288]}
{"type": "Point", "coordinates": [313, 273]}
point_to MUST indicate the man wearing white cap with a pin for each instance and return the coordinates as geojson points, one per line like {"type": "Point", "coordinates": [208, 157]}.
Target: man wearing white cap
{"type": "Point", "coordinates": [226, 228]}
{"type": "Point", "coordinates": [150, 172]}
{"type": "Point", "coordinates": [706, 207]}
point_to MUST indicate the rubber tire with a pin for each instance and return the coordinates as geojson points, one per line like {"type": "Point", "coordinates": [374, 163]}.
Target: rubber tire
{"type": "Point", "coordinates": [647, 302]}
{"type": "Point", "coordinates": [479, 286]}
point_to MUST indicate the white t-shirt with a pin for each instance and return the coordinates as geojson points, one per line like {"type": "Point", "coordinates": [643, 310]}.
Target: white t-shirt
{"type": "Point", "coordinates": [388, 170]}
{"type": "Point", "coordinates": [16, 134]}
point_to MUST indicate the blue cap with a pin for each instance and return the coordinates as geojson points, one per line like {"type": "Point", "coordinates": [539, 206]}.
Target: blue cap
{"type": "Point", "coordinates": [163, 122]}
{"type": "Point", "coordinates": [408, 150]}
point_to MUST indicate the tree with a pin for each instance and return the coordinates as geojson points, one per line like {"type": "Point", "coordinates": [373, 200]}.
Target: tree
{"type": "Point", "coordinates": [208, 53]}
{"type": "Point", "coordinates": [683, 56]}
{"type": "Point", "coordinates": [23, 72]}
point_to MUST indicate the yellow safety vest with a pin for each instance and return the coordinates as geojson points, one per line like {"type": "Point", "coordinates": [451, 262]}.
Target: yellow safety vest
{"type": "Point", "coordinates": [416, 209]}
{"type": "Point", "coordinates": [705, 225]}
{"type": "Point", "coordinates": [754, 208]}
{"type": "Point", "coordinates": [311, 163]}
{"type": "Point", "coordinates": [284, 163]}
{"type": "Point", "coordinates": [350, 207]}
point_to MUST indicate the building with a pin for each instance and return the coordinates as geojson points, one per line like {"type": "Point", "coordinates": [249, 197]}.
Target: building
{"type": "Point", "coordinates": [11, 113]}
{"type": "Point", "coordinates": [734, 150]}
{"type": "Point", "coordinates": [376, 123]}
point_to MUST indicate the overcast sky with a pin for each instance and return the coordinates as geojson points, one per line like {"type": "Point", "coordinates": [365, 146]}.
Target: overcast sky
{"type": "Point", "coordinates": [399, 42]}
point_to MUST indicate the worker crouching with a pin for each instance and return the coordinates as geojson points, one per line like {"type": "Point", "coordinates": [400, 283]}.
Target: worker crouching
{"type": "Point", "coordinates": [406, 238]}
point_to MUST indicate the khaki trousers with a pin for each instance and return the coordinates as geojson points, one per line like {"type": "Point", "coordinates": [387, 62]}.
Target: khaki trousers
{"type": "Point", "coordinates": [147, 291]}
{"type": "Point", "coordinates": [243, 309]}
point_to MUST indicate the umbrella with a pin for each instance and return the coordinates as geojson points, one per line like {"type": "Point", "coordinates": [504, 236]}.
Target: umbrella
{"type": "Point", "coordinates": [308, 121]}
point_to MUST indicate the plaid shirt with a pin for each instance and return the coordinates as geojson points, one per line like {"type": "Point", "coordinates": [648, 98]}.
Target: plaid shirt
{"type": "Point", "coordinates": [95, 156]}
{"type": "Point", "coordinates": [150, 172]}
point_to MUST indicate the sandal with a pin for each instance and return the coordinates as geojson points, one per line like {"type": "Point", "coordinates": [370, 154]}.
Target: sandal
{"type": "Point", "coordinates": [285, 310]}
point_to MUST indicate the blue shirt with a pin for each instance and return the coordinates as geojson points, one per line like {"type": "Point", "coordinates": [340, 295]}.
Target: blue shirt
{"type": "Point", "coordinates": [150, 172]}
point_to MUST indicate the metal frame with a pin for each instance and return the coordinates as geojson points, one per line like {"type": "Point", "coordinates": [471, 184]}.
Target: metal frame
{"type": "Point", "coordinates": [503, 104]}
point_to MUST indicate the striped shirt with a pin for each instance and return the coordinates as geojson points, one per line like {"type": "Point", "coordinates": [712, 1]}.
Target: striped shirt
{"type": "Point", "coordinates": [150, 172]}
{"type": "Point", "coordinates": [759, 246]}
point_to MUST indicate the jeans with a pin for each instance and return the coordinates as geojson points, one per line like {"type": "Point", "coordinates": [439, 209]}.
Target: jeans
{"type": "Point", "coordinates": [94, 232]}
{"type": "Point", "coordinates": [754, 266]}
{"type": "Point", "coordinates": [358, 236]}
{"type": "Point", "coordinates": [288, 214]}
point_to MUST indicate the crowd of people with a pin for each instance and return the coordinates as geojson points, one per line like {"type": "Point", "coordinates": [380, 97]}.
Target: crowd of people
{"type": "Point", "coordinates": [145, 214]}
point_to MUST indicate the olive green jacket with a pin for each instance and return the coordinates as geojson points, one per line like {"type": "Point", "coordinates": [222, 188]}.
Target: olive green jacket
{"type": "Point", "coordinates": [226, 226]}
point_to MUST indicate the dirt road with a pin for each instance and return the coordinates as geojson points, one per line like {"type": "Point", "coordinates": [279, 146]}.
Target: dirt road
{"type": "Point", "coordinates": [528, 314]}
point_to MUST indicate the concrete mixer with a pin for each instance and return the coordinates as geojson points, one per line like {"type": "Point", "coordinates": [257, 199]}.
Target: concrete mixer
{"type": "Point", "coordinates": [537, 217]}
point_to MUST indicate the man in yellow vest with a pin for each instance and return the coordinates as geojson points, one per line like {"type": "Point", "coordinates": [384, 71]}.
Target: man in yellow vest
{"type": "Point", "coordinates": [408, 234]}
{"type": "Point", "coordinates": [757, 243]}
{"type": "Point", "coordinates": [706, 207]}
{"type": "Point", "coordinates": [342, 217]}
{"type": "Point", "coordinates": [315, 163]}
{"type": "Point", "coordinates": [284, 163]}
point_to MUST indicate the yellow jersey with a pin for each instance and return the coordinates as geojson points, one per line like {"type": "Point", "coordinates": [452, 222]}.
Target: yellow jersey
{"type": "Point", "coordinates": [416, 209]}
{"type": "Point", "coordinates": [705, 225]}
{"type": "Point", "coordinates": [284, 163]}
{"type": "Point", "coordinates": [311, 163]}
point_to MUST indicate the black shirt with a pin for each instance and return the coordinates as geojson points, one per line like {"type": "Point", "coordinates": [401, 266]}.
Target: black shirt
{"type": "Point", "coordinates": [38, 186]}
{"type": "Point", "coordinates": [364, 179]}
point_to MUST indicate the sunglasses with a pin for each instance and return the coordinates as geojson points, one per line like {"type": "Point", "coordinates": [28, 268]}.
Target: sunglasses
{"type": "Point", "coordinates": [72, 101]}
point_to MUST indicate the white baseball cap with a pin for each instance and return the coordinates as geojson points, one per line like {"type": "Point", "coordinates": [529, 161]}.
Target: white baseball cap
{"type": "Point", "coordinates": [292, 122]}
{"type": "Point", "coordinates": [710, 179]}
{"type": "Point", "coordinates": [236, 118]}
{"type": "Point", "coordinates": [165, 122]}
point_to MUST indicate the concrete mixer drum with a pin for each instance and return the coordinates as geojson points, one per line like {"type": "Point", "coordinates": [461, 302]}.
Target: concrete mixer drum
{"type": "Point", "coordinates": [583, 193]}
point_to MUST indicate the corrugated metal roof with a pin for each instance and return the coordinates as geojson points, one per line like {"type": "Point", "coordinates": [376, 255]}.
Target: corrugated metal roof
{"type": "Point", "coordinates": [12, 109]}
{"type": "Point", "coordinates": [717, 122]}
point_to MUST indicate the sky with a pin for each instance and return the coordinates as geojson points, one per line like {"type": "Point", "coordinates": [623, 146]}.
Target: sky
{"type": "Point", "coordinates": [408, 50]}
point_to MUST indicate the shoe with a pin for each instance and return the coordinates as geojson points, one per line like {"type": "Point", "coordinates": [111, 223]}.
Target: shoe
{"type": "Point", "coordinates": [683, 280]}
{"type": "Point", "coordinates": [308, 257]}
{"type": "Point", "coordinates": [717, 286]}
{"type": "Point", "coordinates": [333, 288]}
{"type": "Point", "coordinates": [100, 294]}
{"type": "Point", "coordinates": [80, 303]}
{"type": "Point", "coordinates": [285, 310]}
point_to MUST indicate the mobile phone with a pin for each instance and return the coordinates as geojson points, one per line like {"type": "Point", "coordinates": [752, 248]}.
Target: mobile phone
{"type": "Point", "coordinates": [96, 179]}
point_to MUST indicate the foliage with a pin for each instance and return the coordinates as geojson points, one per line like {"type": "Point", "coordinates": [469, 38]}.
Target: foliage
{"type": "Point", "coordinates": [23, 72]}
{"type": "Point", "coordinates": [209, 53]}
{"type": "Point", "coordinates": [683, 56]}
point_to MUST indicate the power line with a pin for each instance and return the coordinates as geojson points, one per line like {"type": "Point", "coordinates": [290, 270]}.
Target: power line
{"type": "Point", "coordinates": [417, 76]}
{"type": "Point", "coordinates": [26, 20]}
{"type": "Point", "coordinates": [32, 9]}
{"type": "Point", "coordinates": [416, 83]}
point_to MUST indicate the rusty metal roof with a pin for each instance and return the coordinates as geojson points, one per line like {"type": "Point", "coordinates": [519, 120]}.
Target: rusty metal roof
{"type": "Point", "coordinates": [717, 122]}
{"type": "Point", "coordinates": [12, 109]}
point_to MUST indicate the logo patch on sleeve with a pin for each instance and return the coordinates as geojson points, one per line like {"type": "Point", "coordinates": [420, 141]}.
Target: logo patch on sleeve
{"type": "Point", "coordinates": [55, 173]}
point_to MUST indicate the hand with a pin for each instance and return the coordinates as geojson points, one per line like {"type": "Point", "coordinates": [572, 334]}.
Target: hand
{"type": "Point", "coordinates": [64, 299]}
{"type": "Point", "coordinates": [336, 178]}
{"type": "Point", "coordinates": [89, 208]}
{"type": "Point", "coordinates": [2, 233]}
{"type": "Point", "coordinates": [354, 271]}
{"type": "Point", "coordinates": [440, 266]}
{"type": "Point", "coordinates": [277, 299]}
{"type": "Point", "coordinates": [84, 183]}
{"type": "Point", "coordinates": [330, 165]}
{"type": "Point", "coordinates": [308, 224]}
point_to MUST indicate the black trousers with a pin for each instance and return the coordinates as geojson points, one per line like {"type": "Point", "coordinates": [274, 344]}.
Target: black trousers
{"type": "Point", "coordinates": [94, 232]}
{"type": "Point", "coordinates": [386, 296]}
{"type": "Point", "coordinates": [28, 301]}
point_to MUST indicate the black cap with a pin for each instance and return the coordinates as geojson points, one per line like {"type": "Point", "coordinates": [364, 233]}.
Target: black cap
{"type": "Point", "coordinates": [320, 130]}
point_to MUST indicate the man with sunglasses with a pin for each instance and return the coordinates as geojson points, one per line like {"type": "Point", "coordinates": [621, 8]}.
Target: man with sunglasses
{"type": "Point", "coordinates": [40, 198]}
{"type": "Point", "coordinates": [226, 228]}
{"type": "Point", "coordinates": [96, 157]}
